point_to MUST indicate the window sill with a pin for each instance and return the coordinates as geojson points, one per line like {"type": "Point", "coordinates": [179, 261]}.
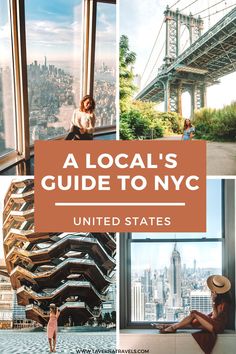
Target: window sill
{"type": "Point", "coordinates": [183, 332]}
{"type": "Point", "coordinates": [9, 160]}
{"type": "Point", "coordinates": [174, 343]}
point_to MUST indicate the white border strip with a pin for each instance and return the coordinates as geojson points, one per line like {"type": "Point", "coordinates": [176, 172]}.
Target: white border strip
{"type": "Point", "coordinates": [118, 204]}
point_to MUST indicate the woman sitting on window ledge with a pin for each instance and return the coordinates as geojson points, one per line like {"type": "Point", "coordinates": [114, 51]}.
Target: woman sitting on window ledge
{"type": "Point", "coordinates": [217, 320]}
{"type": "Point", "coordinates": [83, 120]}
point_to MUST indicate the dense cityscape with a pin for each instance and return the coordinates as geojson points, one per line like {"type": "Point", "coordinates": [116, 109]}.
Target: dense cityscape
{"type": "Point", "coordinates": [168, 294]}
{"type": "Point", "coordinates": [53, 93]}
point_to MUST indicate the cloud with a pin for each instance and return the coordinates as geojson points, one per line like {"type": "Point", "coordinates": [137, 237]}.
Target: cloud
{"type": "Point", "coordinates": [5, 32]}
{"type": "Point", "coordinates": [106, 29]}
{"type": "Point", "coordinates": [49, 32]}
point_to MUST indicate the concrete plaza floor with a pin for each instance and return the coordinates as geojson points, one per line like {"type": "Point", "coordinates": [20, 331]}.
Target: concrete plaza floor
{"type": "Point", "coordinates": [18, 342]}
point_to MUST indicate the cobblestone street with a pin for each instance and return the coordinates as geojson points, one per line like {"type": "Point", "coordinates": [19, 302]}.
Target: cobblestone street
{"type": "Point", "coordinates": [16, 342]}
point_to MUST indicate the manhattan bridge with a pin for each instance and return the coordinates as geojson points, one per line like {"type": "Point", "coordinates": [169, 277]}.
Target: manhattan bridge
{"type": "Point", "coordinates": [206, 56]}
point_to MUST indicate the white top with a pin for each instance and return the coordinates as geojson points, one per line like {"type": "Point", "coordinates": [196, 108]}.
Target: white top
{"type": "Point", "coordinates": [83, 120]}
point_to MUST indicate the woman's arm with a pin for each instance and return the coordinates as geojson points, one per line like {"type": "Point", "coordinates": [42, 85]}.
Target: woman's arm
{"type": "Point", "coordinates": [192, 133]}
{"type": "Point", "coordinates": [58, 313]}
{"type": "Point", "coordinates": [91, 124]}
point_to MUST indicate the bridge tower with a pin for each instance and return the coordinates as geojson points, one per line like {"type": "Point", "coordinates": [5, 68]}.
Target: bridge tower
{"type": "Point", "coordinates": [173, 90]}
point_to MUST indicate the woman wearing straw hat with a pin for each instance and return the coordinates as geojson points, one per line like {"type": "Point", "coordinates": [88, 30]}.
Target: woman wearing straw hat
{"type": "Point", "coordinates": [216, 321]}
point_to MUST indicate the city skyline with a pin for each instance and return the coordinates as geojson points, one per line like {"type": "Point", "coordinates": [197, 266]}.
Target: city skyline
{"type": "Point", "coordinates": [206, 251]}
{"type": "Point", "coordinates": [168, 292]}
{"type": "Point", "coordinates": [53, 94]}
{"type": "Point", "coordinates": [142, 35]}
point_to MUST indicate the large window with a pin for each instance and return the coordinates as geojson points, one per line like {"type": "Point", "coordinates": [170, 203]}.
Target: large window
{"type": "Point", "coordinates": [105, 65]}
{"type": "Point", "coordinates": [7, 112]}
{"type": "Point", "coordinates": [168, 272]}
{"type": "Point", "coordinates": [54, 65]}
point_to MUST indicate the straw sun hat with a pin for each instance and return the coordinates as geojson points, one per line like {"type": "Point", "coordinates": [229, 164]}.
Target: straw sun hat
{"type": "Point", "coordinates": [219, 284]}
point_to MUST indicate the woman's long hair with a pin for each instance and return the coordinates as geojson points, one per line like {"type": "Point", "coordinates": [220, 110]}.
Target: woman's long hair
{"type": "Point", "coordinates": [91, 101]}
{"type": "Point", "coordinates": [53, 308]}
{"type": "Point", "coordinates": [226, 297]}
{"type": "Point", "coordinates": [185, 124]}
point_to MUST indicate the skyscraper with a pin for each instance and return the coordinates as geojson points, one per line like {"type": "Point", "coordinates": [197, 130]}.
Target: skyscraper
{"type": "Point", "coordinates": [201, 301]}
{"type": "Point", "coordinates": [175, 279]}
{"type": "Point", "coordinates": [147, 282]}
{"type": "Point", "coordinates": [194, 265]}
{"type": "Point", "coordinates": [137, 301]}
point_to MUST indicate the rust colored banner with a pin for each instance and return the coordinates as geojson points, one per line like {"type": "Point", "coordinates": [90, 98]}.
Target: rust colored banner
{"type": "Point", "coordinates": [142, 186]}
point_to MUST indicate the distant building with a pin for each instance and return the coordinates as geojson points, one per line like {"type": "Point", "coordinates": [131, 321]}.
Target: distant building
{"type": "Point", "coordinates": [110, 304]}
{"type": "Point", "coordinates": [137, 301]}
{"type": "Point", "coordinates": [11, 314]}
{"type": "Point", "coordinates": [147, 284]}
{"type": "Point", "coordinates": [159, 311]}
{"type": "Point", "coordinates": [175, 279]}
{"type": "Point", "coordinates": [201, 301]}
{"type": "Point", "coordinates": [6, 302]}
{"type": "Point", "coordinates": [137, 81]}
{"type": "Point", "coordinates": [150, 312]}
{"type": "Point", "coordinates": [194, 265]}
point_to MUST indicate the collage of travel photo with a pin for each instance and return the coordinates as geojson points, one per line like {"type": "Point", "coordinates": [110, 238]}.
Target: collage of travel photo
{"type": "Point", "coordinates": [153, 71]}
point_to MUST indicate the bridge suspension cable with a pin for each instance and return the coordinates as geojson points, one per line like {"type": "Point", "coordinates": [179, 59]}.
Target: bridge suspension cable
{"type": "Point", "coordinates": [152, 50]}
{"type": "Point", "coordinates": [154, 64]}
{"type": "Point", "coordinates": [217, 12]}
{"type": "Point", "coordinates": [158, 34]}
{"type": "Point", "coordinates": [188, 5]}
{"type": "Point", "coordinates": [175, 4]}
{"type": "Point", "coordinates": [209, 7]}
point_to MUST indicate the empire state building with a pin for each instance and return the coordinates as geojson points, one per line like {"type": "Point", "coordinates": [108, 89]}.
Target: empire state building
{"type": "Point", "coordinates": [175, 278]}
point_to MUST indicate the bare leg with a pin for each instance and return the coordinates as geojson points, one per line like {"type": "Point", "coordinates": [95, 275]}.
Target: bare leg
{"type": "Point", "coordinates": [204, 323]}
{"type": "Point", "coordinates": [186, 322]}
{"type": "Point", "coordinates": [50, 344]}
{"type": "Point", "coordinates": [54, 341]}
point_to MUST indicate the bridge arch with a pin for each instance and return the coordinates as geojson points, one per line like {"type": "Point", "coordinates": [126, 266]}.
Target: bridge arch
{"type": "Point", "coordinates": [185, 37]}
{"type": "Point", "coordinates": [174, 21]}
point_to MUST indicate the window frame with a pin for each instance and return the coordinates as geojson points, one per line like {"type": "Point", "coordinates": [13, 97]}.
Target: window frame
{"type": "Point", "coordinates": [227, 240]}
{"type": "Point", "coordinates": [20, 85]}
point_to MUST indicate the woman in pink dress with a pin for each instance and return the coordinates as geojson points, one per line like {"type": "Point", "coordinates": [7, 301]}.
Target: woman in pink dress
{"type": "Point", "coordinates": [52, 327]}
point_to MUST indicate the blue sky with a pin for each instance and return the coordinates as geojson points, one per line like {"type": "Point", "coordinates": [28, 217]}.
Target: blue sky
{"type": "Point", "coordinates": [157, 256]}
{"type": "Point", "coordinates": [140, 21]}
{"type": "Point", "coordinates": [47, 10]}
{"type": "Point", "coordinates": [207, 254]}
{"type": "Point", "coordinates": [54, 29]}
